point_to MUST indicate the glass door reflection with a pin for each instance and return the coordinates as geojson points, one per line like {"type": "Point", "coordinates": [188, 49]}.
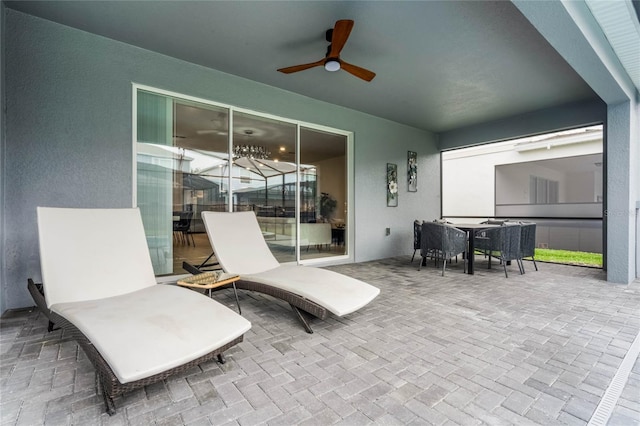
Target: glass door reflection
{"type": "Point", "coordinates": [323, 194]}
{"type": "Point", "coordinates": [264, 179]}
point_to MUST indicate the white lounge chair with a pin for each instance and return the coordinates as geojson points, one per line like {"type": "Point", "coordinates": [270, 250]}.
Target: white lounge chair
{"type": "Point", "coordinates": [99, 286]}
{"type": "Point", "coordinates": [240, 249]}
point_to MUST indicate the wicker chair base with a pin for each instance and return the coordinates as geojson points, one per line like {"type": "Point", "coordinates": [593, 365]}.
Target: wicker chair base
{"type": "Point", "coordinates": [297, 302]}
{"type": "Point", "coordinates": [37, 293]}
{"type": "Point", "coordinates": [109, 383]}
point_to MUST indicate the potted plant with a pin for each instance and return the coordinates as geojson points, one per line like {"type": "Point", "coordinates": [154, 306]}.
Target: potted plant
{"type": "Point", "coordinates": [328, 205]}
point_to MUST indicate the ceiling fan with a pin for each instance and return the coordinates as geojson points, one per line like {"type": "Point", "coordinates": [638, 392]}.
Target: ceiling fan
{"type": "Point", "coordinates": [337, 36]}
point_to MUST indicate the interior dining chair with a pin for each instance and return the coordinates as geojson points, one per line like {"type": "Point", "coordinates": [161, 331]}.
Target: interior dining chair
{"type": "Point", "coordinates": [183, 227]}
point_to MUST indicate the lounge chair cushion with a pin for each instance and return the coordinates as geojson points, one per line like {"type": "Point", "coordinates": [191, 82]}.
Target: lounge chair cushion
{"type": "Point", "coordinates": [92, 253]}
{"type": "Point", "coordinates": [238, 243]}
{"type": "Point", "coordinates": [338, 293]}
{"type": "Point", "coordinates": [131, 331]}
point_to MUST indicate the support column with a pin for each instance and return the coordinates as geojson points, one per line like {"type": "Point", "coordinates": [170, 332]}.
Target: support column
{"type": "Point", "coordinates": [620, 213]}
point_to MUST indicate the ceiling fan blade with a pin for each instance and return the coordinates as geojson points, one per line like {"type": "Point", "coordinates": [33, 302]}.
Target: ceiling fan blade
{"type": "Point", "coordinates": [296, 68]}
{"type": "Point", "coordinates": [357, 71]}
{"type": "Point", "coordinates": [341, 32]}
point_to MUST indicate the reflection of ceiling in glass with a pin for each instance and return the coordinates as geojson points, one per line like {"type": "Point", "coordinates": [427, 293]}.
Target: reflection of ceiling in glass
{"type": "Point", "coordinates": [204, 127]}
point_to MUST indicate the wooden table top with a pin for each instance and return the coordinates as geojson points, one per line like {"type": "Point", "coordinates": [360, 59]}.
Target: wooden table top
{"type": "Point", "coordinates": [209, 280]}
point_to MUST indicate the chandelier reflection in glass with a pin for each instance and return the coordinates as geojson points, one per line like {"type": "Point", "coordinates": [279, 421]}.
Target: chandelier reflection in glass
{"type": "Point", "coordinates": [251, 151]}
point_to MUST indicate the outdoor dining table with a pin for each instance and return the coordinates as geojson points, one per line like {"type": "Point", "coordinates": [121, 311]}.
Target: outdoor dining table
{"type": "Point", "coordinates": [471, 229]}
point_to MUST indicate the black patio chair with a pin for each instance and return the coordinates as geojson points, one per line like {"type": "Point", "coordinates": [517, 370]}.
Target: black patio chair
{"type": "Point", "coordinates": [528, 242]}
{"type": "Point", "coordinates": [441, 242]}
{"type": "Point", "coordinates": [503, 243]}
{"type": "Point", "coordinates": [417, 230]}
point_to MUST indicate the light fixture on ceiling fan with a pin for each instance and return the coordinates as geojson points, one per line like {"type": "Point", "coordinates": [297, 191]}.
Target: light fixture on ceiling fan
{"type": "Point", "coordinates": [337, 37]}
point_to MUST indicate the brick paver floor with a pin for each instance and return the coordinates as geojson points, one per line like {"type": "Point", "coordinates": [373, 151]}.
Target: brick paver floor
{"type": "Point", "coordinates": [539, 348]}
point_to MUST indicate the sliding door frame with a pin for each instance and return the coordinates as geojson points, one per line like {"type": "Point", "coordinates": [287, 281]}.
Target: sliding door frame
{"type": "Point", "coordinates": [349, 256]}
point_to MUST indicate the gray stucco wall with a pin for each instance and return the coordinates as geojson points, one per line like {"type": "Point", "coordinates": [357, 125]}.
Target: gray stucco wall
{"type": "Point", "coordinates": [3, 268]}
{"type": "Point", "coordinates": [69, 138]}
{"type": "Point", "coordinates": [635, 135]}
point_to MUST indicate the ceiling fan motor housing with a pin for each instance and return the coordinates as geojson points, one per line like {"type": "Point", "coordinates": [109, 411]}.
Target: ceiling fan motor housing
{"type": "Point", "coordinates": [329, 35]}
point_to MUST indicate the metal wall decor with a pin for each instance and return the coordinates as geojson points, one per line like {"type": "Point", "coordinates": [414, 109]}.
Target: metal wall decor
{"type": "Point", "coordinates": [392, 185]}
{"type": "Point", "coordinates": [412, 171]}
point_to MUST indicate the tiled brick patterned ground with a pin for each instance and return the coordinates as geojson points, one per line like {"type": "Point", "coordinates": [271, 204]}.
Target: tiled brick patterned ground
{"type": "Point", "coordinates": [539, 348]}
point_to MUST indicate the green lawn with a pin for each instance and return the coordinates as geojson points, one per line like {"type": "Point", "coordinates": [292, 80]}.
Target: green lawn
{"type": "Point", "coordinates": [580, 258]}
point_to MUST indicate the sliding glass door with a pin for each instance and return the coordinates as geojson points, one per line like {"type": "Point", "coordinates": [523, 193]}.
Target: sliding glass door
{"type": "Point", "coordinates": [323, 190]}
{"type": "Point", "coordinates": [292, 176]}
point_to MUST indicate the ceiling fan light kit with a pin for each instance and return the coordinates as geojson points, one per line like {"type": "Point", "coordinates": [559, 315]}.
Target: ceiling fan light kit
{"type": "Point", "coordinates": [338, 37]}
{"type": "Point", "coordinates": [332, 65]}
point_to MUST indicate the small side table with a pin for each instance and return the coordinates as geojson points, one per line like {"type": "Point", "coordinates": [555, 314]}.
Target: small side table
{"type": "Point", "coordinates": [211, 280]}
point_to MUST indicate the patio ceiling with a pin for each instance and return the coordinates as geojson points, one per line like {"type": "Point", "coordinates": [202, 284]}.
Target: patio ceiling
{"type": "Point", "coordinates": [440, 65]}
